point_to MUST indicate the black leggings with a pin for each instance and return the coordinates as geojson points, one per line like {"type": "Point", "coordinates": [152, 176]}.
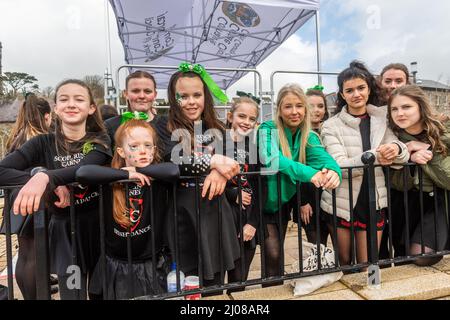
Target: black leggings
{"type": "Point", "coordinates": [236, 274]}
{"type": "Point", "coordinates": [26, 267]}
{"type": "Point", "coordinates": [272, 250]}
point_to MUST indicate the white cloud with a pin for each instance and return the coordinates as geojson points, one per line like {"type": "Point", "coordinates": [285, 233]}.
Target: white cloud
{"type": "Point", "coordinates": [294, 54]}
{"type": "Point", "coordinates": [54, 40]}
{"type": "Point", "coordinates": [401, 31]}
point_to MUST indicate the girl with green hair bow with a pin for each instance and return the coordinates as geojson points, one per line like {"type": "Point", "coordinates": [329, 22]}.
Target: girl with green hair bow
{"type": "Point", "coordinates": [193, 124]}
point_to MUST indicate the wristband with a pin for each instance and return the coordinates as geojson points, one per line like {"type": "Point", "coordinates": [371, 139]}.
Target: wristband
{"type": "Point", "coordinates": [37, 170]}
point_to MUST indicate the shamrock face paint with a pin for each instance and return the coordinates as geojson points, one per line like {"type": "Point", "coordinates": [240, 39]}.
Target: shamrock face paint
{"type": "Point", "coordinates": [192, 97]}
{"type": "Point", "coordinates": [138, 148]}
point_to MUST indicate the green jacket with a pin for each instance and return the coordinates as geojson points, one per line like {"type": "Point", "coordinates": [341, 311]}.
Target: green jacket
{"type": "Point", "coordinates": [292, 171]}
{"type": "Point", "coordinates": [437, 171]}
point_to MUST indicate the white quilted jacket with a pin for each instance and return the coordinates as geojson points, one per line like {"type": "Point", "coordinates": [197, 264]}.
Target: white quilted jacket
{"type": "Point", "coordinates": [342, 139]}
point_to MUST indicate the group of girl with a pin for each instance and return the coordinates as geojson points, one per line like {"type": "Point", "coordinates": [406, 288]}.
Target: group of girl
{"type": "Point", "coordinates": [210, 220]}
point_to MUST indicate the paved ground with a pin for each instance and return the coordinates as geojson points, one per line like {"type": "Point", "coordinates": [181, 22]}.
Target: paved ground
{"type": "Point", "coordinates": [399, 283]}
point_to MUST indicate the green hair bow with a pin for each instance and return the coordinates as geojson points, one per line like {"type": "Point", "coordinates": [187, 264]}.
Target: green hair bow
{"type": "Point", "coordinates": [212, 86]}
{"type": "Point", "coordinates": [127, 116]}
{"type": "Point", "coordinates": [248, 95]}
{"type": "Point", "coordinates": [317, 88]}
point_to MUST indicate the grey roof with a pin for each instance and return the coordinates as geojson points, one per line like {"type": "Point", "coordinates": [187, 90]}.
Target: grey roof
{"type": "Point", "coordinates": [9, 111]}
{"type": "Point", "coordinates": [431, 84]}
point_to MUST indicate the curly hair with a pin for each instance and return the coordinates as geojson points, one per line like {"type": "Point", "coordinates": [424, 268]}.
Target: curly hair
{"type": "Point", "coordinates": [432, 126]}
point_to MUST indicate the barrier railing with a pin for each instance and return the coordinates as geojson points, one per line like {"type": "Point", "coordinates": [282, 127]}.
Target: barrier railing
{"type": "Point", "coordinates": [441, 199]}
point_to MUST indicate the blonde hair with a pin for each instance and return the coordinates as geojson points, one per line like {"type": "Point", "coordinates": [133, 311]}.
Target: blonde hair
{"type": "Point", "coordinates": [237, 103]}
{"type": "Point", "coordinates": [120, 214]}
{"type": "Point", "coordinates": [305, 125]}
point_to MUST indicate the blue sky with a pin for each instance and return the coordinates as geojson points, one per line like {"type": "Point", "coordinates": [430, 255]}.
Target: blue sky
{"type": "Point", "coordinates": [330, 30]}
{"type": "Point", "coordinates": [377, 32]}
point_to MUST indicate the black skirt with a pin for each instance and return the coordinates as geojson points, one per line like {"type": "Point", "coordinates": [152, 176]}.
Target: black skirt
{"type": "Point", "coordinates": [117, 279]}
{"type": "Point", "coordinates": [213, 256]}
{"type": "Point", "coordinates": [435, 226]}
{"type": "Point", "coordinates": [274, 217]}
{"type": "Point", "coordinates": [87, 242]}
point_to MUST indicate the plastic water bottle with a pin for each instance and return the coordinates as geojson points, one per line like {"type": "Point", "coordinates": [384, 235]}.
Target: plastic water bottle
{"type": "Point", "coordinates": [172, 279]}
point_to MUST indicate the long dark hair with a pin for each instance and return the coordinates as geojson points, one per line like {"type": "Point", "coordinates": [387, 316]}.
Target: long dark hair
{"type": "Point", "coordinates": [177, 120]}
{"type": "Point", "coordinates": [30, 121]}
{"type": "Point", "coordinates": [433, 127]}
{"type": "Point", "coordinates": [357, 70]}
{"type": "Point", "coordinates": [95, 130]}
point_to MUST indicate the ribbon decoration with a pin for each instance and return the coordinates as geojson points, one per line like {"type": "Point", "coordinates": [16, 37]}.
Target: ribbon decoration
{"type": "Point", "coordinates": [127, 116]}
{"type": "Point", "coordinates": [317, 88]}
{"type": "Point", "coordinates": [212, 86]}
{"type": "Point", "coordinates": [248, 95]}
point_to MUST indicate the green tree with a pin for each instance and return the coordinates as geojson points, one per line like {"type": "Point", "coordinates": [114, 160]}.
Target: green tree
{"type": "Point", "coordinates": [18, 80]}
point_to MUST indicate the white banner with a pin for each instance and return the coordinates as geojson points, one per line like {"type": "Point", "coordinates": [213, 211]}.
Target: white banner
{"type": "Point", "coordinates": [213, 33]}
{"type": "Point", "coordinates": [299, 4]}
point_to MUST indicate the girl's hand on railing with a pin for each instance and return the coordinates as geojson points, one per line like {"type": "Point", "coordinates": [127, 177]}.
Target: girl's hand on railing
{"type": "Point", "coordinates": [139, 176]}
{"type": "Point", "coordinates": [383, 161]}
{"type": "Point", "coordinates": [215, 183]}
{"type": "Point", "coordinates": [422, 156]}
{"type": "Point", "coordinates": [414, 146]}
{"type": "Point", "coordinates": [306, 212]}
{"type": "Point", "coordinates": [227, 167]}
{"type": "Point", "coordinates": [133, 175]}
{"type": "Point", "coordinates": [246, 198]}
{"type": "Point", "coordinates": [318, 178]}
{"type": "Point", "coordinates": [29, 197]}
{"type": "Point", "coordinates": [331, 181]}
{"type": "Point", "coordinates": [388, 152]}
{"type": "Point", "coordinates": [63, 194]}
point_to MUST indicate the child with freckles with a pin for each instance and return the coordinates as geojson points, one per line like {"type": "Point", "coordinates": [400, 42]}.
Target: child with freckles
{"type": "Point", "coordinates": [133, 214]}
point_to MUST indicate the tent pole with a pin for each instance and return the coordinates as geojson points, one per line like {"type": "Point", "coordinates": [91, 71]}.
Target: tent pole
{"type": "Point", "coordinates": [319, 56]}
{"type": "Point", "coordinates": [108, 72]}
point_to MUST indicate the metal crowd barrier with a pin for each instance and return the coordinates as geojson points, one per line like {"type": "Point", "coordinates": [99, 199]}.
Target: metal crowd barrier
{"type": "Point", "coordinates": [373, 263]}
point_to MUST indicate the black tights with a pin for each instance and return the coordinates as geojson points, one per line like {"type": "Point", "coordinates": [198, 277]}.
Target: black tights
{"type": "Point", "coordinates": [25, 268]}
{"type": "Point", "coordinates": [272, 251]}
{"type": "Point", "coordinates": [236, 275]}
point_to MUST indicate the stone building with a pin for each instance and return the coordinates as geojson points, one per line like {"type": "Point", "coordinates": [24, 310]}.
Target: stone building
{"type": "Point", "coordinates": [438, 93]}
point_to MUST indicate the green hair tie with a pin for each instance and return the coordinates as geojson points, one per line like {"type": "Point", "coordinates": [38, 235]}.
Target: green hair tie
{"type": "Point", "coordinates": [127, 116]}
{"type": "Point", "coordinates": [317, 88]}
{"type": "Point", "coordinates": [212, 86]}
